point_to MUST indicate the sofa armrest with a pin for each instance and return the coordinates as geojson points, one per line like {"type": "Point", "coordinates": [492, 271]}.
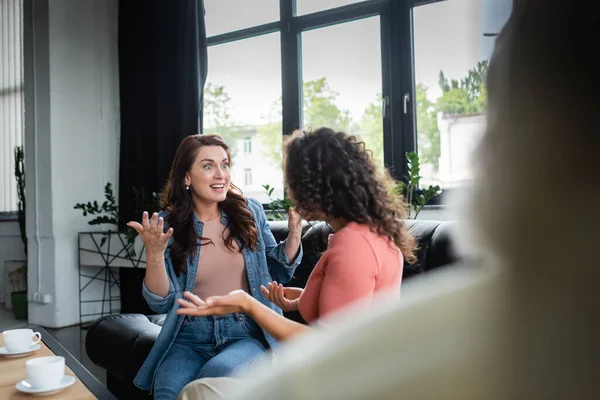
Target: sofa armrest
{"type": "Point", "coordinates": [121, 343]}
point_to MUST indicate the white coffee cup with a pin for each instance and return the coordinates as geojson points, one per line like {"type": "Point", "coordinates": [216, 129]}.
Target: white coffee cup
{"type": "Point", "coordinates": [45, 372]}
{"type": "Point", "coordinates": [19, 339]}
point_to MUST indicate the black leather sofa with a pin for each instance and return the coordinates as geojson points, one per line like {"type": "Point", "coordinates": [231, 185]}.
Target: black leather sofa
{"type": "Point", "coordinates": [120, 343]}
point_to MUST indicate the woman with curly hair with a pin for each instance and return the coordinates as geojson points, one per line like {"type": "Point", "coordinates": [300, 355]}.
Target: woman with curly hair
{"type": "Point", "coordinates": [332, 177]}
{"type": "Point", "coordinates": [209, 240]}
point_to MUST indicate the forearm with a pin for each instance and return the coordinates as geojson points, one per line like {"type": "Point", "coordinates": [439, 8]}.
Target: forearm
{"type": "Point", "coordinates": [156, 280]}
{"type": "Point", "coordinates": [292, 246]}
{"type": "Point", "coordinates": [275, 324]}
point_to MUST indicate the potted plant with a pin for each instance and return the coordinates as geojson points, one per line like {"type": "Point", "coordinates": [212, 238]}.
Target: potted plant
{"type": "Point", "coordinates": [121, 246]}
{"type": "Point", "coordinates": [16, 270]}
{"type": "Point", "coordinates": [18, 294]}
{"type": "Point", "coordinates": [416, 197]}
{"type": "Point", "coordinates": [102, 252]}
{"type": "Point", "coordinates": [278, 208]}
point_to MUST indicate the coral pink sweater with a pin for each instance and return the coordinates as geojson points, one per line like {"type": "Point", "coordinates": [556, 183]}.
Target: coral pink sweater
{"type": "Point", "coordinates": [357, 264]}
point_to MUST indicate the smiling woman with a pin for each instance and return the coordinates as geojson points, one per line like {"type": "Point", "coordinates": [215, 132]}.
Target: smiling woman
{"type": "Point", "coordinates": [200, 184]}
{"type": "Point", "coordinates": [211, 170]}
{"type": "Point", "coordinates": [208, 240]}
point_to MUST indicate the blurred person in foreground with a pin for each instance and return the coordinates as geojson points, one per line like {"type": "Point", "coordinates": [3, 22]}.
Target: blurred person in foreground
{"type": "Point", "coordinates": [525, 326]}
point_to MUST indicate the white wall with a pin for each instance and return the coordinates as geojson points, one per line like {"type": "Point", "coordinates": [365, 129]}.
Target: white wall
{"type": "Point", "coordinates": [72, 140]}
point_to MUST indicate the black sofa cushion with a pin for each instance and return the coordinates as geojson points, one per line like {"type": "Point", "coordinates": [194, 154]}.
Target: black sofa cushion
{"type": "Point", "coordinates": [120, 343]}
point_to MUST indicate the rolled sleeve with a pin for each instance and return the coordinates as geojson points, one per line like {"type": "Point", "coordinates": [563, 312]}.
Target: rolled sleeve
{"type": "Point", "coordinates": [279, 256]}
{"type": "Point", "coordinates": [157, 303]}
{"type": "Point", "coordinates": [278, 263]}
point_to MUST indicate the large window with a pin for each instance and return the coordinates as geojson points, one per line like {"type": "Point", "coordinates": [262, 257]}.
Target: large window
{"type": "Point", "coordinates": [11, 98]}
{"type": "Point", "coordinates": [341, 70]}
{"type": "Point", "coordinates": [402, 75]}
{"type": "Point", "coordinates": [450, 65]}
{"type": "Point", "coordinates": [242, 103]}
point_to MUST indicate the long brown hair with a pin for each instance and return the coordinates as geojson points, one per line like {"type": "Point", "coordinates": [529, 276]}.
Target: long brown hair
{"type": "Point", "coordinates": [330, 172]}
{"type": "Point", "coordinates": [177, 201]}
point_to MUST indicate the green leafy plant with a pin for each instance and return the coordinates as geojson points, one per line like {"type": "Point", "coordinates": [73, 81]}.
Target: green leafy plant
{"type": "Point", "coordinates": [108, 212]}
{"type": "Point", "coordinates": [18, 277]}
{"type": "Point", "coordinates": [278, 207]}
{"type": "Point", "coordinates": [415, 198]}
{"type": "Point", "coordinates": [20, 177]}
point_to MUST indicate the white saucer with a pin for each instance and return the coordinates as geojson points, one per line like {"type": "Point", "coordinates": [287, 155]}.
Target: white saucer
{"type": "Point", "coordinates": [20, 353]}
{"type": "Point", "coordinates": [25, 387]}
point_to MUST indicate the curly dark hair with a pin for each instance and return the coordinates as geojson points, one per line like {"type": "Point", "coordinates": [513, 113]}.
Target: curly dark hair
{"type": "Point", "coordinates": [177, 201]}
{"type": "Point", "coordinates": [332, 173]}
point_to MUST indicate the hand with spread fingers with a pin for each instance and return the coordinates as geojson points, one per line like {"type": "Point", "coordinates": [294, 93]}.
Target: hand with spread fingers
{"type": "Point", "coordinates": [151, 233]}
{"type": "Point", "coordinates": [236, 301]}
{"type": "Point", "coordinates": [286, 298]}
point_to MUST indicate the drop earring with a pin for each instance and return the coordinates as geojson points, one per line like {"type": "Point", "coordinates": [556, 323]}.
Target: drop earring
{"type": "Point", "coordinates": [187, 187]}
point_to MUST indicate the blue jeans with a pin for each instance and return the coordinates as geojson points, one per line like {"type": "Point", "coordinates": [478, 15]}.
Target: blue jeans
{"type": "Point", "coordinates": [208, 347]}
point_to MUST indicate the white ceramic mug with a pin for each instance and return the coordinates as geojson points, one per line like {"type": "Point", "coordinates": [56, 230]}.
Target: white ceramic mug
{"type": "Point", "coordinates": [45, 372]}
{"type": "Point", "coordinates": [19, 339]}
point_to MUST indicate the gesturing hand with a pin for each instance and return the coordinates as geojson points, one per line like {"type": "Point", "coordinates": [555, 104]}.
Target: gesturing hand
{"type": "Point", "coordinates": [294, 222]}
{"type": "Point", "coordinates": [151, 233]}
{"type": "Point", "coordinates": [286, 298]}
{"type": "Point", "coordinates": [235, 301]}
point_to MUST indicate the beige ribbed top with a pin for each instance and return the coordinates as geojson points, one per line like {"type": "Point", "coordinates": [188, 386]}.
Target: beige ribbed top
{"type": "Point", "coordinates": [220, 270]}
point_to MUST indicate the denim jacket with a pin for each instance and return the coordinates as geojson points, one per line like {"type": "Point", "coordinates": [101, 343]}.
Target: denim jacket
{"type": "Point", "coordinates": [269, 262]}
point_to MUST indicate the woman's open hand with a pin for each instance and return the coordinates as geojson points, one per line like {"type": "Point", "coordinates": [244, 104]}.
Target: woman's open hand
{"type": "Point", "coordinates": [235, 301]}
{"type": "Point", "coordinates": [151, 233]}
{"type": "Point", "coordinates": [286, 298]}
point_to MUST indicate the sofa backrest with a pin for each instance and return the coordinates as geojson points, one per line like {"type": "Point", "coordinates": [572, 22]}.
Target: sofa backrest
{"type": "Point", "coordinates": [433, 237]}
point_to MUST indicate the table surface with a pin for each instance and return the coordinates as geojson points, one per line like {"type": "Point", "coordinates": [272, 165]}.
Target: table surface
{"type": "Point", "coordinates": [12, 371]}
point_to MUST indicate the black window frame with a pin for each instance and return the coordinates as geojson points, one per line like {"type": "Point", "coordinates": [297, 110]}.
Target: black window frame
{"type": "Point", "coordinates": [398, 83]}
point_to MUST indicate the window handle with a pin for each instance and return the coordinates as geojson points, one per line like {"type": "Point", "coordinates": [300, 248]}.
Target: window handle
{"type": "Point", "coordinates": [384, 103]}
{"type": "Point", "coordinates": [405, 101]}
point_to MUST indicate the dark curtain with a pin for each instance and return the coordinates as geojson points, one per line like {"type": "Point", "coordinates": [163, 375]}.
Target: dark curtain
{"type": "Point", "coordinates": [162, 71]}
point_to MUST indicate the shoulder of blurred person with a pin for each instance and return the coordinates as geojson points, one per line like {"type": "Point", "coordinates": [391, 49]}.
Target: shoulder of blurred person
{"type": "Point", "coordinates": [429, 346]}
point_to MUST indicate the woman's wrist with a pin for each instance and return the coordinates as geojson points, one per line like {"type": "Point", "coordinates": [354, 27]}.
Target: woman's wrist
{"type": "Point", "coordinates": [294, 238]}
{"type": "Point", "coordinates": [292, 247]}
{"type": "Point", "coordinates": [295, 233]}
{"type": "Point", "coordinates": [154, 253]}
{"type": "Point", "coordinates": [248, 306]}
